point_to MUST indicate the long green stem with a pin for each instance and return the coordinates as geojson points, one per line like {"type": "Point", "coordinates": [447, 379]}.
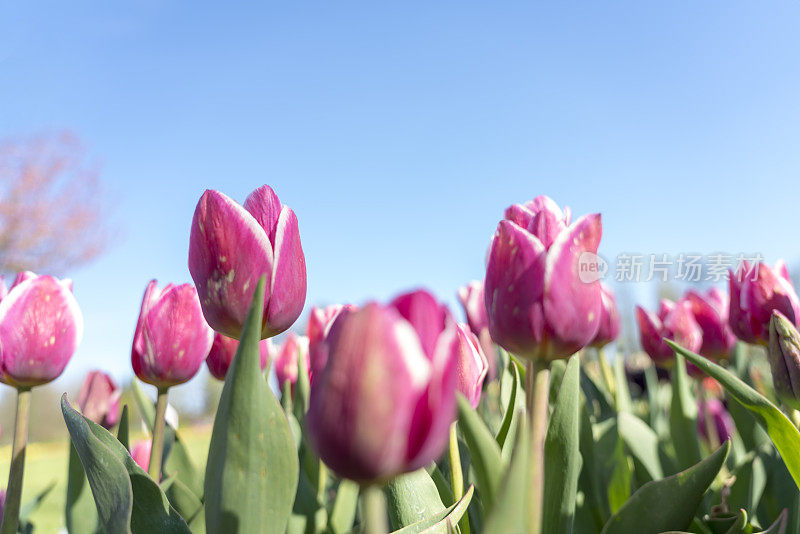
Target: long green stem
{"type": "Point", "coordinates": [537, 391]}
{"type": "Point", "coordinates": [456, 476]}
{"type": "Point", "coordinates": [373, 508]}
{"type": "Point", "coordinates": [157, 449]}
{"type": "Point", "coordinates": [14, 488]}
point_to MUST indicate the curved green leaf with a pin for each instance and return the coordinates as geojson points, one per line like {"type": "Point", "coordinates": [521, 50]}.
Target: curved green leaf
{"type": "Point", "coordinates": [80, 514]}
{"type": "Point", "coordinates": [683, 417]}
{"type": "Point", "coordinates": [252, 469]}
{"type": "Point", "coordinates": [344, 509]}
{"type": "Point", "coordinates": [509, 425]}
{"type": "Point", "coordinates": [783, 433]}
{"type": "Point", "coordinates": [444, 521]}
{"type": "Point", "coordinates": [484, 452]}
{"type": "Point", "coordinates": [123, 428]}
{"type": "Point", "coordinates": [410, 498]}
{"type": "Point", "coordinates": [562, 454]}
{"type": "Point", "coordinates": [670, 503]}
{"type": "Point", "coordinates": [642, 443]}
{"type": "Point", "coordinates": [509, 513]}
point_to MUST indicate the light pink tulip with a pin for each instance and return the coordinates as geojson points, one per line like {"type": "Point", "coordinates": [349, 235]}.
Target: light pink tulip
{"type": "Point", "coordinates": [384, 402]}
{"type": "Point", "coordinates": [99, 399]}
{"type": "Point", "coordinates": [471, 365]}
{"type": "Point", "coordinates": [172, 340]}
{"type": "Point", "coordinates": [674, 321]}
{"type": "Point", "coordinates": [141, 453]}
{"type": "Point", "coordinates": [538, 305]}
{"type": "Point", "coordinates": [294, 347]}
{"type": "Point", "coordinates": [472, 300]}
{"type": "Point", "coordinates": [710, 310]}
{"type": "Point", "coordinates": [232, 246]}
{"type": "Point", "coordinates": [319, 324]}
{"type": "Point", "coordinates": [223, 349]}
{"type": "Point", "coordinates": [753, 301]}
{"type": "Point", "coordinates": [609, 319]}
{"type": "Point", "coordinates": [40, 329]}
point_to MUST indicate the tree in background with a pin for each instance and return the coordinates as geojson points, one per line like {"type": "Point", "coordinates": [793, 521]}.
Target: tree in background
{"type": "Point", "coordinates": [52, 207]}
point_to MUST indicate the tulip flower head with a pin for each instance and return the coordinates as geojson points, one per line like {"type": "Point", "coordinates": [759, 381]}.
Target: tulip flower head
{"type": "Point", "coordinates": [721, 421]}
{"type": "Point", "coordinates": [710, 310]}
{"type": "Point", "coordinates": [40, 329]}
{"type": "Point", "coordinates": [232, 246]}
{"type": "Point", "coordinates": [99, 399]}
{"type": "Point", "coordinates": [383, 403]}
{"type": "Point", "coordinates": [784, 359]}
{"type": "Point", "coordinates": [319, 324]}
{"type": "Point", "coordinates": [172, 340]}
{"type": "Point", "coordinates": [473, 301]}
{"type": "Point", "coordinates": [757, 290]}
{"type": "Point", "coordinates": [141, 453]}
{"type": "Point", "coordinates": [537, 304]}
{"type": "Point", "coordinates": [223, 349]}
{"type": "Point", "coordinates": [609, 319]}
{"type": "Point", "coordinates": [674, 321]}
{"type": "Point", "coordinates": [471, 365]}
{"type": "Point", "coordinates": [294, 349]}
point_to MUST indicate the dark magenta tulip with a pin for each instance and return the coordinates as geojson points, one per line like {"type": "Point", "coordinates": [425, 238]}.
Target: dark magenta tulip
{"type": "Point", "coordinates": [172, 340]}
{"type": "Point", "coordinates": [383, 403]}
{"type": "Point", "coordinates": [721, 420]}
{"type": "Point", "coordinates": [40, 329]}
{"type": "Point", "coordinates": [609, 319]}
{"type": "Point", "coordinates": [232, 246]}
{"type": "Point", "coordinates": [537, 304]}
{"type": "Point", "coordinates": [293, 349]}
{"type": "Point", "coordinates": [710, 310]}
{"type": "Point", "coordinates": [674, 321]}
{"type": "Point", "coordinates": [755, 292]}
{"type": "Point", "coordinates": [99, 399]}
{"type": "Point", "coordinates": [223, 349]}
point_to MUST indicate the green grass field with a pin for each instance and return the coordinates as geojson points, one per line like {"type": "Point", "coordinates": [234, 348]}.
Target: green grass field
{"type": "Point", "coordinates": [46, 463]}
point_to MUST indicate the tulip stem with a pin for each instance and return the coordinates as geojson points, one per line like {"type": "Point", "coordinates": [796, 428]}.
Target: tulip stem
{"type": "Point", "coordinates": [157, 449]}
{"type": "Point", "coordinates": [456, 476]}
{"type": "Point", "coordinates": [373, 509]}
{"type": "Point", "coordinates": [14, 489]}
{"type": "Point", "coordinates": [537, 392]}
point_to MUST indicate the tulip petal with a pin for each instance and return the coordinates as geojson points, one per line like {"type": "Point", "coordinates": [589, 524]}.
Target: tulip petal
{"type": "Point", "coordinates": [572, 307]}
{"type": "Point", "coordinates": [650, 336]}
{"type": "Point", "coordinates": [514, 287]}
{"type": "Point", "coordinates": [426, 315]}
{"type": "Point", "coordinates": [263, 204]}
{"type": "Point", "coordinates": [228, 252]}
{"type": "Point", "coordinates": [288, 292]}
{"type": "Point", "coordinates": [40, 329]}
{"type": "Point", "coordinates": [546, 225]}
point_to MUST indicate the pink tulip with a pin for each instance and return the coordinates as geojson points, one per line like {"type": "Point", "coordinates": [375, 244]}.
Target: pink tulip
{"type": "Point", "coordinates": [472, 300]}
{"type": "Point", "coordinates": [40, 329]}
{"type": "Point", "coordinates": [752, 301]}
{"type": "Point", "coordinates": [232, 246]}
{"type": "Point", "coordinates": [538, 306]}
{"type": "Point", "coordinates": [319, 324]}
{"type": "Point", "coordinates": [674, 321]}
{"type": "Point", "coordinates": [609, 319]}
{"type": "Point", "coordinates": [471, 365]}
{"type": "Point", "coordinates": [172, 339]}
{"type": "Point", "coordinates": [223, 349]}
{"type": "Point", "coordinates": [286, 358]}
{"type": "Point", "coordinates": [710, 310]}
{"type": "Point", "coordinates": [99, 399]}
{"type": "Point", "coordinates": [141, 453]}
{"type": "Point", "coordinates": [384, 402]}
{"type": "Point", "coordinates": [721, 420]}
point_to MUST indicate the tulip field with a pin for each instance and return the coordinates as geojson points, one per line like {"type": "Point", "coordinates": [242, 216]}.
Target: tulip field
{"type": "Point", "coordinates": [397, 416]}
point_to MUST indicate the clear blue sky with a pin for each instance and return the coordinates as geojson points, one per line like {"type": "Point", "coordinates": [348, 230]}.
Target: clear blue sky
{"type": "Point", "coordinates": [399, 132]}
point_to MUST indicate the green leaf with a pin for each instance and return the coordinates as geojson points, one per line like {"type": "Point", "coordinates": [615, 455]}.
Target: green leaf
{"type": "Point", "coordinates": [183, 500]}
{"type": "Point", "coordinates": [127, 499]}
{"type": "Point", "coordinates": [483, 450]}
{"type": "Point", "coordinates": [343, 513]}
{"type": "Point", "coordinates": [683, 417]}
{"type": "Point", "coordinates": [562, 453]}
{"type": "Point", "coordinates": [302, 391]}
{"type": "Point", "coordinates": [670, 503]}
{"type": "Point", "coordinates": [642, 443]}
{"type": "Point", "coordinates": [751, 480]}
{"type": "Point", "coordinates": [622, 393]}
{"type": "Point", "coordinates": [252, 470]}
{"type": "Point", "coordinates": [442, 522]}
{"type": "Point", "coordinates": [590, 480]}
{"type": "Point", "coordinates": [123, 428]}
{"type": "Point", "coordinates": [783, 433]}
{"type": "Point", "coordinates": [410, 498]}
{"type": "Point", "coordinates": [80, 514]}
{"type": "Point", "coordinates": [513, 408]}
{"type": "Point", "coordinates": [614, 470]}
{"type": "Point", "coordinates": [509, 513]}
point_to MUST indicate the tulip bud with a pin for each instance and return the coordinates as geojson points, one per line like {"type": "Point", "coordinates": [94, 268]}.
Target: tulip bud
{"type": "Point", "coordinates": [141, 453]}
{"type": "Point", "coordinates": [383, 404]}
{"type": "Point", "coordinates": [99, 399]}
{"type": "Point", "coordinates": [294, 349]}
{"type": "Point", "coordinates": [755, 292]}
{"type": "Point", "coordinates": [319, 324]}
{"type": "Point", "coordinates": [710, 310]}
{"type": "Point", "coordinates": [172, 339]}
{"type": "Point", "coordinates": [40, 329]}
{"type": "Point", "coordinates": [473, 301]}
{"type": "Point", "coordinates": [471, 365]}
{"type": "Point", "coordinates": [720, 419]}
{"type": "Point", "coordinates": [223, 349]}
{"type": "Point", "coordinates": [674, 321]}
{"type": "Point", "coordinates": [232, 246]}
{"type": "Point", "coordinates": [609, 319]}
{"type": "Point", "coordinates": [537, 303]}
{"type": "Point", "coordinates": [784, 359]}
